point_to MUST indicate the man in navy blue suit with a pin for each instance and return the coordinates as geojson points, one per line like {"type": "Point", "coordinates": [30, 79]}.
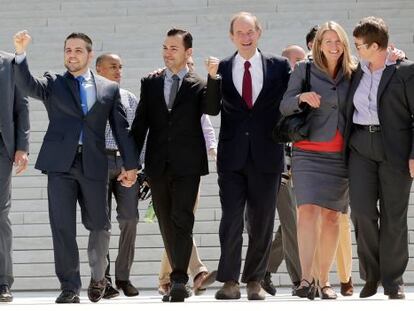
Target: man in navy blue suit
{"type": "Point", "coordinates": [78, 105]}
{"type": "Point", "coordinates": [249, 163]}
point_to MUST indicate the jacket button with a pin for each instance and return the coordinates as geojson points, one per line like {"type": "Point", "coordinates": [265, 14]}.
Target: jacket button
{"type": "Point", "coordinates": [247, 133]}
{"type": "Point", "coordinates": [169, 138]}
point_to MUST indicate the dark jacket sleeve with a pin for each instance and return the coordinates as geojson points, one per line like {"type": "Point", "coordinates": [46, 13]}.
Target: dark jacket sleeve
{"type": "Point", "coordinates": [140, 125]}
{"type": "Point", "coordinates": [120, 128]}
{"type": "Point", "coordinates": [212, 97]}
{"type": "Point", "coordinates": [33, 87]}
{"type": "Point", "coordinates": [21, 121]}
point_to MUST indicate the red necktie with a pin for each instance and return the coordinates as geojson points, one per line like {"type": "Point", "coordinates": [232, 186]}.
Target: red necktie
{"type": "Point", "coordinates": [247, 86]}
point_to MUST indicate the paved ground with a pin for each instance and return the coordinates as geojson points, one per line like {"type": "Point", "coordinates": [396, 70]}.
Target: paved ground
{"type": "Point", "coordinates": [150, 300]}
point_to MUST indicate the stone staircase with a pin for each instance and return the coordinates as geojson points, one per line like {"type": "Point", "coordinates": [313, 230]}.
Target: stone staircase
{"type": "Point", "coordinates": [135, 29]}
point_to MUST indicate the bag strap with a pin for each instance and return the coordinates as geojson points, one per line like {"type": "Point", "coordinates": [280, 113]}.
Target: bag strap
{"type": "Point", "coordinates": [307, 85]}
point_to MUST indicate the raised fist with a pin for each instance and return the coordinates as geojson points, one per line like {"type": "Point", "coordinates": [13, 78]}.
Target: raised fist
{"type": "Point", "coordinates": [21, 41]}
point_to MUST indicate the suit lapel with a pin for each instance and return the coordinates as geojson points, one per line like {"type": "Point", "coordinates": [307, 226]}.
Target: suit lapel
{"type": "Point", "coordinates": [385, 79]}
{"type": "Point", "coordinates": [73, 88]}
{"type": "Point", "coordinates": [229, 84]}
{"type": "Point", "coordinates": [159, 86]}
{"type": "Point", "coordinates": [99, 86]}
{"type": "Point", "coordinates": [264, 67]}
{"type": "Point", "coordinates": [352, 89]}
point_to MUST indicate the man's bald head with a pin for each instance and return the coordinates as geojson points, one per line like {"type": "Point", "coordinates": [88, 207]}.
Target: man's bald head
{"type": "Point", "coordinates": [294, 53]}
{"type": "Point", "coordinates": [109, 65]}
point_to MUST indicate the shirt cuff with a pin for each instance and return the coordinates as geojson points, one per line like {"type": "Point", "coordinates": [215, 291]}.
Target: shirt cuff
{"type": "Point", "coordinates": [19, 58]}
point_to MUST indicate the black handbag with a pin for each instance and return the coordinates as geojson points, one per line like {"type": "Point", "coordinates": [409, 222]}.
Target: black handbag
{"type": "Point", "coordinates": [293, 127]}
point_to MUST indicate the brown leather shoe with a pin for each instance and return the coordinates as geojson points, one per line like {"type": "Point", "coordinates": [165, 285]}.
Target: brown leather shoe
{"type": "Point", "coordinates": [347, 289]}
{"type": "Point", "coordinates": [230, 290]}
{"type": "Point", "coordinates": [255, 291]}
{"type": "Point", "coordinates": [96, 289]}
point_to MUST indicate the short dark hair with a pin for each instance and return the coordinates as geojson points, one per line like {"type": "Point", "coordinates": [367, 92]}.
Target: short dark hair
{"type": "Point", "coordinates": [310, 36]}
{"type": "Point", "coordinates": [372, 29]}
{"type": "Point", "coordinates": [187, 37]}
{"type": "Point", "coordinates": [82, 36]}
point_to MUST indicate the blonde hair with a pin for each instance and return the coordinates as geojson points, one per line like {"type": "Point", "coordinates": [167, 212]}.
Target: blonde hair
{"type": "Point", "coordinates": [346, 62]}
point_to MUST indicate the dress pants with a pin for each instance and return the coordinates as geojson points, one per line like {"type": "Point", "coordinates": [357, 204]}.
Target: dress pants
{"type": "Point", "coordinates": [6, 266]}
{"type": "Point", "coordinates": [285, 243]}
{"type": "Point", "coordinates": [127, 216]}
{"type": "Point", "coordinates": [64, 190]}
{"type": "Point", "coordinates": [381, 231]}
{"type": "Point", "coordinates": [256, 192]}
{"type": "Point", "coordinates": [195, 265]}
{"type": "Point", "coordinates": [174, 198]}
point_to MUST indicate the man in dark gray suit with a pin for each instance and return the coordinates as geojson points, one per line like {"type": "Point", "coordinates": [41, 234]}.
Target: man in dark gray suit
{"type": "Point", "coordinates": [79, 105]}
{"type": "Point", "coordinates": [14, 145]}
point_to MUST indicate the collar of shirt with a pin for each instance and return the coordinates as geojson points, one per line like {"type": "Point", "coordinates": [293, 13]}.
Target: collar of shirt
{"type": "Point", "coordinates": [180, 74]}
{"type": "Point", "coordinates": [256, 71]}
{"type": "Point", "coordinates": [365, 66]}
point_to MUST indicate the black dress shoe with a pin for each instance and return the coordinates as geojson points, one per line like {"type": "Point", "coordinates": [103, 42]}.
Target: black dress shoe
{"type": "Point", "coordinates": [128, 289]}
{"type": "Point", "coordinates": [110, 292]}
{"type": "Point", "coordinates": [369, 289]}
{"type": "Point", "coordinates": [5, 294]}
{"type": "Point", "coordinates": [67, 296]}
{"type": "Point", "coordinates": [267, 284]}
{"type": "Point", "coordinates": [179, 291]}
{"type": "Point", "coordinates": [96, 289]}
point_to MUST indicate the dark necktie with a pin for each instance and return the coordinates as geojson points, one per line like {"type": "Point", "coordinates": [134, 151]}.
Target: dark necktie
{"type": "Point", "coordinates": [173, 91]}
{"type": "Point", "coordinates": [247, 86]}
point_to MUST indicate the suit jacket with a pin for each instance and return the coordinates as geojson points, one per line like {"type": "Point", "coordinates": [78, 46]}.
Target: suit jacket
{"type": "Point", "coordinates": [175, 138]}
{"type": "Point", "coordinates": [243, 130]}
{"type": "Point", "coordinates": [395, 100]}
{"type": "Point", "coordinates": [14, 116]}
{"type": "Point", "coordinates": [324, 121]}
{"type": "Point", "coordinates": [60, 95]}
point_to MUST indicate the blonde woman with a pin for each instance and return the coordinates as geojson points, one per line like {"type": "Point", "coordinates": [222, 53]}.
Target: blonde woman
{"type": "Point", "coordinates": [319, 172]}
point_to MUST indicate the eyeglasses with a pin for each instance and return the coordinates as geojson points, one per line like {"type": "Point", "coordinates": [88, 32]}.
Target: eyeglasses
{"type": "Point", "coordinates": [359, 46]}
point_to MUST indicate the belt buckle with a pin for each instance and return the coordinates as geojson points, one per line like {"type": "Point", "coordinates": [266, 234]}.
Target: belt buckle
{"type": "Point", "coordinates": [371, 128]}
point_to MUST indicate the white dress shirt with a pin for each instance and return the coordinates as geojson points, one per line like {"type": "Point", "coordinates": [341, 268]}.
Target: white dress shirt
{"type": "Point", "coordinates": [256, 71]}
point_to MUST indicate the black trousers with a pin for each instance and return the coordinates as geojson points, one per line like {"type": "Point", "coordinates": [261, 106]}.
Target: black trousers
{"type": "Point", "coordinates": [6, 263]}
{"type": "Point", "coordinates": [64, 191]}
{"type": "Point", "coordinates": [255, 191]}
{"type": "Point", "coordinates": [174, 198]}
{"type": "Point", "coordinates": [381, 230]}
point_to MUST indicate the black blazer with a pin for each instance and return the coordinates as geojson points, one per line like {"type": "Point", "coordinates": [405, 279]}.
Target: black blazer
{"type": "Point", "coordinates": [243, 130]}
{"type": "Point", "coordinates": [14, 109]}
{"type": "Point", "coordinates": [395, 112]}
{"type": "Point", "coordinates": [60, 96]}
{"type": "Point", "coordinates": [175, 137]}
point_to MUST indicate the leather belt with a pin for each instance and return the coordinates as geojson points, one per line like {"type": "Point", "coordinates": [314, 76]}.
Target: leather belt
{"type": "Point", "coordinates": [113, 152]}
{"type": "Point", "coordinates": [369, 128]}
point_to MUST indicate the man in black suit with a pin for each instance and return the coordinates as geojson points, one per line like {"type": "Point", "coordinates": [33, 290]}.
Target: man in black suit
{"type": "Point", "coordinates": [14, 145]}
{"type": "Point", "coordinates": [171, 105]}
{"type": "Point", "coordinates": [73, 156]}
{"type": "Point", "coordinates": [249, 163]}
{"type": "Point", "coordinates": [380, 152]}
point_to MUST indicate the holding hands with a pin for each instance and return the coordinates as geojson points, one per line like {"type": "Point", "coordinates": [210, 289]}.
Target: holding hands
{"type": "Point", "coordinates": [128, 178]}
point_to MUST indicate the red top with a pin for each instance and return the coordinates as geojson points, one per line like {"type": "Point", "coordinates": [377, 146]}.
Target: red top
{"type": "Point", "coordinates": [336, 144]}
